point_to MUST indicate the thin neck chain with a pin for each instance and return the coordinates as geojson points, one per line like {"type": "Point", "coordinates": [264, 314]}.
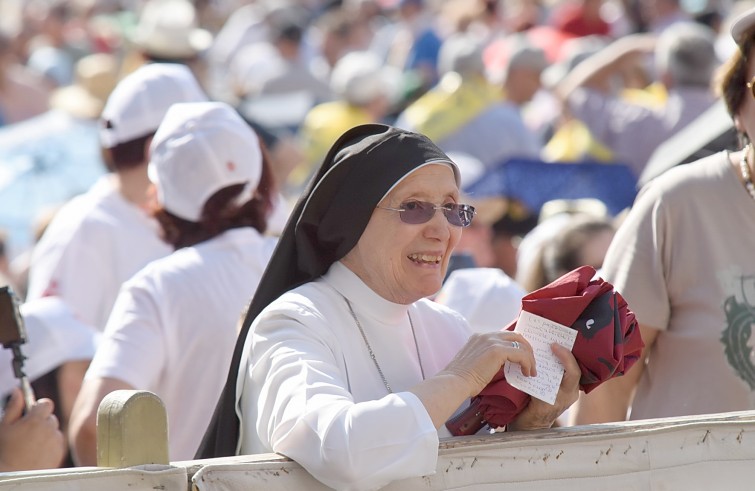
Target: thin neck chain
{"type": "Point", "coordinates": [744, 166]}
{"type": "Point", "coordinates": [372, 353]}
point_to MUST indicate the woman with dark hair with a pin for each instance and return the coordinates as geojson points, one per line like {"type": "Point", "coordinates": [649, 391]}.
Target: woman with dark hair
{"type": "Point", "coordinates": [347, 367]}
{"type": "Point", "coordinates": [174, 324]}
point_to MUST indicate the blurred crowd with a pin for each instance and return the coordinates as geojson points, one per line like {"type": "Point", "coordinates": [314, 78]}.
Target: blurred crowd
{"type": "Point", "coordinates": [488, 81]}
{"type": "Point", "coordinates": [492, 82]}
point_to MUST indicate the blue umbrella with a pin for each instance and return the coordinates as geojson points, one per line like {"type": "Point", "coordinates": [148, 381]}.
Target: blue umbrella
{"type": "Point", "coordinates": [44, 162]}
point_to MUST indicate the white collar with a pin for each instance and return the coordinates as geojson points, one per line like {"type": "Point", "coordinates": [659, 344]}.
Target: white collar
{"type": "Point", "coordinates": [365, 300]}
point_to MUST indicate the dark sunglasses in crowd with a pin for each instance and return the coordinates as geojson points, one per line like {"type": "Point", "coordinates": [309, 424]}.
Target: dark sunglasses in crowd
{"type": "Point", "coordinates": [417, 212]}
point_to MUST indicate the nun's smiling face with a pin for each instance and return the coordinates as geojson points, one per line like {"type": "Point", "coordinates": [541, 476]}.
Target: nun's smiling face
{"type": "Point", "coordinates": [405, 262]}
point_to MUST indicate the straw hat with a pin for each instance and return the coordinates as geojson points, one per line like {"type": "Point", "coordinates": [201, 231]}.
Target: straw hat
{"type": "Point", "coordinates": [95, 77]}
{"type": "Point", "coordinates": [169, 29]}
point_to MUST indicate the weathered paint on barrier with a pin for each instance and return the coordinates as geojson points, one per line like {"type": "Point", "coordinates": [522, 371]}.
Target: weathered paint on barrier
{"type": "Point", "coordinates": [710, 452]}
{"type": "Point", "coordinates": [692, 453]}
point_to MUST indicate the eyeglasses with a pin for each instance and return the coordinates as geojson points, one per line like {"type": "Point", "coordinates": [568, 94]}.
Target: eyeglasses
{"type": "Point", "coordinates": [417, 212]}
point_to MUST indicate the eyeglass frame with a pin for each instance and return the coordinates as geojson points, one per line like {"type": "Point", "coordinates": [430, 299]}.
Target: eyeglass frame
{"type": "Point", "coordinates": [444, 208]}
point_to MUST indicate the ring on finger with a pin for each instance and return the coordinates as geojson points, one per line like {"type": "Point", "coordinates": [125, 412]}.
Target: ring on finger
{"type": "Point", "coordinates": [515, 344]}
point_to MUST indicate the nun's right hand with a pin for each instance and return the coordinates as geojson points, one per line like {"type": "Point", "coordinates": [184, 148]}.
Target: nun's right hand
{"type": "Point", "coordinates": [482, 357]}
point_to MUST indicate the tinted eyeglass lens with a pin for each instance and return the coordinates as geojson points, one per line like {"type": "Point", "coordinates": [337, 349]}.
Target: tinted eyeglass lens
{"type": "Point", "coordinates": [453, 215]}
{"type": "Point", "coordinates": [417, 212]}
{"type": "Point", "coordinates": [461, 215]}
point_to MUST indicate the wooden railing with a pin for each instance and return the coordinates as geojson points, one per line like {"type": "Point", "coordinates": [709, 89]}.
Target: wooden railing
{"type": "Point", "coordinates": [710, 452]}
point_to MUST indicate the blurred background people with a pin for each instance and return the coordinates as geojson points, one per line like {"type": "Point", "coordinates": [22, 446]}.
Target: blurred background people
{"type": "Point", "coordinates": [168, 31]}
{"type": "Point", "coordinates": [411, 42]}
{"type": "Point", "coordinates": [23, 93]}
{"type": "Point", "coordinates": [367, 91]}
{"type": "Point", "coordinates": [465, 113]}
{"type": "Point", "coordinates": [101, 238]}
{"type": "Point", "coordinates": [54, 156]}
{"type": "Point", "coordinates": [273, 78]}
{"type": "Point", "coordinates": [173, 326]}
{"type": "Point", "coordinates": [685, 59]}
{"type": "Point", "coordinates": [573, 240]}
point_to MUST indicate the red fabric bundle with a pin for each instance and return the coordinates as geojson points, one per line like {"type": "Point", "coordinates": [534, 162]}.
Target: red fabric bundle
{"type": "Point", "coordinates": [608, 343]}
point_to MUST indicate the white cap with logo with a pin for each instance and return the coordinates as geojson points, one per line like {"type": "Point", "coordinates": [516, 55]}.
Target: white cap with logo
{"type": "Point", "coordinates": [138, 103]}
{"type": "Point", "coordinates": [199, 149]}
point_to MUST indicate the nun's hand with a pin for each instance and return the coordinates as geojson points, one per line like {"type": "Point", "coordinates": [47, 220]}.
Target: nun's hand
{"type": "Point", "coordinates": [483, 355]}
{"type": "Point", "coordinates": [539, 414]}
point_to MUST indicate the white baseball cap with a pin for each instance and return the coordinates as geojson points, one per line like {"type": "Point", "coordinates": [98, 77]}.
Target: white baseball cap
{"type": "Point", "coordinates": [199, 149]}
{"type": "Point", "coordinates": [741, 25]}
{"type": "Point", "coordinates": [55, 336]}
{"type": "Point", "coordinates": [138, 103]}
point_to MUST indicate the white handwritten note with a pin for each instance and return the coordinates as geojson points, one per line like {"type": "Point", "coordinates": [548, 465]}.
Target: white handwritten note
{"type": "Point", "coordinates": [541, 333]}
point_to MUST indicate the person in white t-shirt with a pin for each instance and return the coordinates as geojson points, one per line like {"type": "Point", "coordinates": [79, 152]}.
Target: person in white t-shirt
{"type": "Point", "coordinates": [174, 324]}
{"type": "Point", "coordinates": [100, 239]}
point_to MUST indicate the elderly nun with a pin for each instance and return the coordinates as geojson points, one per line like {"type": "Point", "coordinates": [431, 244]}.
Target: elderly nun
{"type": "Point", "coordinates": [343, 364]}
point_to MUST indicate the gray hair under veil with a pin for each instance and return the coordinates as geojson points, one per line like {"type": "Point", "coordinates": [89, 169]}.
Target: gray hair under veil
{"type": "Point", "coordinates": [326, 223]}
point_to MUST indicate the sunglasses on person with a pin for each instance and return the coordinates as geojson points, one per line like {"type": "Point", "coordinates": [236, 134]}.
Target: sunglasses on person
{"type": "Point", "coordinates": [417, 212]}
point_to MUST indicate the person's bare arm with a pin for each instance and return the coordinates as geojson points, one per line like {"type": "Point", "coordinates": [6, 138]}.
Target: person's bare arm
{"type": "Point", "coordinates": [611, 400]}
{"type": "Point", "coordinates": [70, 377]}
{"type": "Point", "coordinates": [30, 441]}
{"type": "Point", "coordinates": [596, 70]}
{"type": "Point", "coordinates": [82, 431]}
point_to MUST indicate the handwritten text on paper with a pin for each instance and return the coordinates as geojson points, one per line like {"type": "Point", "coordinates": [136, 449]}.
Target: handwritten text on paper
{"type": "Point", "coordinates": [541, 333]}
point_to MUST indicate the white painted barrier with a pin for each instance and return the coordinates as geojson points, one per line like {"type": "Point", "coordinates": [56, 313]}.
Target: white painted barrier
{"type": "Point", "coordinates": [139, 478]}
{"type": "Point", "coordinates": [715, 452]}
{"type": "Point", "coordinates": [695, 453]}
